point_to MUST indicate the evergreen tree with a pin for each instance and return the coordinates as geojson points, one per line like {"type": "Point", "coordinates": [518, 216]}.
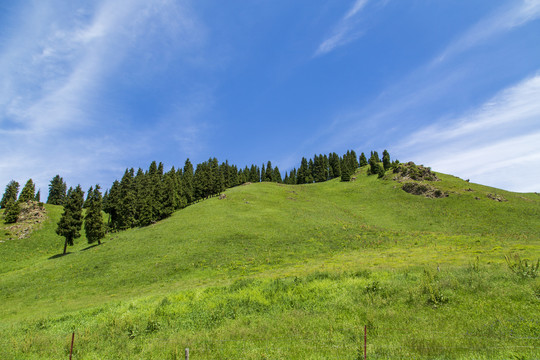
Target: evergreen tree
{"type": "Point", "coordinates": [38, 196]}
{"type": "Point", "coordinates": [70, 223]}
{"type": "Point", "coordinates": [11, 192]}
{"type": "Point", "coordinates": [334, 164]}
{"type": "Point", "coordinates": [57, 191]}
{"type": "Point", "coordinates": [89, 194]}
{"type": "Point", "coordinates": [263, 173]}
{"type": "Point", "coordinates": [354, 161]}
{"type": "Point", "coordinates": [276, 175]}
{"type": "Point", "coordinates": [28, 192]}
{"type": "Point", "coordinates": [386, 160]}
{"type": "Point", "coordinates": [302, 174]}
{"type": "Point", "coordinates": [363, 160]}
{"type": "Point", "coordinates": [126, 205]}
{"type": "Point", "coordinates": [269, 176]}
{"type": "Point", "coordinates": [93, 221]}
{"type": "Point", "coordinates": [12, 212]}
{"type": "Point", "coordinates": [187, 181]}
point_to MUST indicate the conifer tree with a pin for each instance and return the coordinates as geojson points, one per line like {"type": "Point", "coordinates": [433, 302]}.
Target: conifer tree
{"type": "Point", "coordinates": [276, 175]}
{"type": "Point", "coordinates": [269, 176]}
{"type": "Point", "coordinates": [187, 181]}
{"type": "Point", "coordinates": [12, 212]}
{"type": "Point", "coordinates": [11, 192]}
{"type": "Point", "coordinates": [386, 160]}
{"type": "Point", "coordinates": [363, 160]}
{"type": "Point", "coordinates": [93, 221]}
{"type": "Point", "coordinates": [57, 191]}
{"type": "Point", "coordinates": [263, 173]}
{"type": "Point", "coordinates": [38, 196]}
{"type": "Point", "coordinates": [302, 173]}
{"type": "Point", "coordinates": [334, 164]}
{"type": "Point", "coordinates": [89, 194]}
{"type": "Point", "coordinates": [70, 223]}
{"type": "Point", "coordinates": [28, 192]}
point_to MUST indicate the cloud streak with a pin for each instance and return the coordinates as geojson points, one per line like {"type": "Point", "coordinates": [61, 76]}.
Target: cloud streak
{"type": "Point", "coordinates": [493, 144]}
{"type": "Point", "coordinates": [345, 31]}
{"type": "Point", "coordinates": [53, 114]}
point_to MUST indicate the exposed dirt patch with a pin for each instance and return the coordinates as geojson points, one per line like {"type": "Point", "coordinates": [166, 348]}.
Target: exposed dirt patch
{"type": "Point", "coordinates": [246, 183]}
{"type": "Point", "coordinates": [423, 189]}
{"type": "Point", "coordinates": [222, 196]}
{"type": "Point", "coordinates": [32, 214]}
{"type": "Point", "coordinates": [411, 171]}
{"type": "Point", "coordinates": [496, 197]}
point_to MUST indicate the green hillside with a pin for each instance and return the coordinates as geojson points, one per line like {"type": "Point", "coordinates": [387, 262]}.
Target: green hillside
{"type": "Point", "coordinates": [279, 271]}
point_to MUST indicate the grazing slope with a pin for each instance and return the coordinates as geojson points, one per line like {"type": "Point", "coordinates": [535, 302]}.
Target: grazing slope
{"type": "Point", "coordinates": [279, 271]}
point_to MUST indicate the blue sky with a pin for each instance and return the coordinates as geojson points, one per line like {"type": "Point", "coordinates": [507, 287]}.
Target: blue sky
{"type": "Point", "coordinates": [88, 89]}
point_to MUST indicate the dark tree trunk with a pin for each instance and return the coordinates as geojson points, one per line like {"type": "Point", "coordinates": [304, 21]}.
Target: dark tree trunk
{"type": "Point", "coordinates": [65, 246]}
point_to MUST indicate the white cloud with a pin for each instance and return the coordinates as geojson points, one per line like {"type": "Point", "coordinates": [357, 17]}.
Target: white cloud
{"type": "Point", "coordinates": [344, 32]}
{"type": "Point", "coordinates": [54, 66]}
{"type": "Point", "coordinates": [504, 19]}
{"type": "Point", "coordinates": [497, 144]}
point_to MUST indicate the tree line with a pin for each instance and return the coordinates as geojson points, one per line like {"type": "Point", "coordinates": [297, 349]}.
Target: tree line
{"type": "Point", "coordinates": [143, 197]}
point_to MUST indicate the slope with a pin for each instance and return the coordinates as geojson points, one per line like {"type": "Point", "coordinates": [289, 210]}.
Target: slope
{"type": "Point", "coordinates": [267, 232]}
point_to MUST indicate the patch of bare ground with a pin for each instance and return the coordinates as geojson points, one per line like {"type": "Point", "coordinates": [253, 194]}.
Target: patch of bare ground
{"type": "Point", "coordinates": [32, 214]}
{"type": "Point", "coordinates": [423, 189]}
{"type": "Point", "coordinates": [411, 171]}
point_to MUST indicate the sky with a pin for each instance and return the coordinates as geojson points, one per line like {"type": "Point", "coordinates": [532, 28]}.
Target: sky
{"type": "Point", "coordinates": [88, 89]}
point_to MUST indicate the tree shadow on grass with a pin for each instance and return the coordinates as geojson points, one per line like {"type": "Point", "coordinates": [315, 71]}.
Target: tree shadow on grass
{"type": "Point", "coordinates": [92, 246]}
{"type": "Point", "coordinates": [59, 255]}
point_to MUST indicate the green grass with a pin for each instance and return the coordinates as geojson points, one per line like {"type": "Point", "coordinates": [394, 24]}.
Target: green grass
{"type": "Point", "coordinates": [277, 271]}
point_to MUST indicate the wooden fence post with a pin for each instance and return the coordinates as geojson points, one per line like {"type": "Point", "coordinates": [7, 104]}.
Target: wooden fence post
{"type": "Point", "coordinates": [187, 353]}
{"type": "Point", "coordinates": [72, 340]}
{"type": "Point", "coordinates": [365, 342]}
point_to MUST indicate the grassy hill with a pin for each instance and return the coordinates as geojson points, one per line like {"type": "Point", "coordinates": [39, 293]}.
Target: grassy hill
{"type": "Point", "coordinates": [279, 271]}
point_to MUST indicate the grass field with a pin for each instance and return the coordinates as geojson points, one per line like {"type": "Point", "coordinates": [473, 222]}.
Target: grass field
{"type": "Point", "coordinates": [286, 272]}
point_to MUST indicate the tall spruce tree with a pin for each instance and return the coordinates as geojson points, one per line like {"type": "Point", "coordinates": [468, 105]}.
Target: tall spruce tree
{"type": "Point", "coordinates": [269, 175]}
{"type": "Point", "coordinates": [71, 221]}
{"type": "Point", "coordinates": [386, 160]}
{"type": "Point", "coordinates": [363, 160]}
{"type": "Point", "coordinates": [28, 192]}
{"type": "Point", "coordinates": [93, 221]}
{"type": "Point", "coordinates": [38, 196]}
{"type": "Point", "coordinates": [12, 212]}
{"type": "Point", "coordinates": [187, 181]}
{"type": "Point", "coordinates": [11, 192]}
{"type": "Point", "coordinates": [57, 191]}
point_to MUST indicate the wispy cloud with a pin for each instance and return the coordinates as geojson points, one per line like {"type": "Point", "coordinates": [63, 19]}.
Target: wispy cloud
{"type": "Point", "coordinates": [518, 13]}
{"type": "Point", "coordinates": [345, 31]}
{"type": "Point", "coordinates": [53, 115]}
{"type": "Point", "coordinates": [489, 144]}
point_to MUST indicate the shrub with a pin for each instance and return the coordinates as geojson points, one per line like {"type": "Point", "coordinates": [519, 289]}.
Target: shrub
{"type": "Point", "coordinates": [522, 268]}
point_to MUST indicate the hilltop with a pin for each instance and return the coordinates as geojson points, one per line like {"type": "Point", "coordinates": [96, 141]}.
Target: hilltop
{"type": "Point", "coordinates": [287, 271]}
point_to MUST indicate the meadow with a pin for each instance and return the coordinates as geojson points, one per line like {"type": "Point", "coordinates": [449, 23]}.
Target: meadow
{"type": "Point", "coordinates": [287, 272]}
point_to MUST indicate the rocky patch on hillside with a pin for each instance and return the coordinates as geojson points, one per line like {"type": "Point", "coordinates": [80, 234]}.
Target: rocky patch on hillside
{"type": "Point", "coordinates": [32, 214]}
{"type": "Point", "coordinates": [411, 171]}
{"type": "Point", "coordinates": [423, 189]}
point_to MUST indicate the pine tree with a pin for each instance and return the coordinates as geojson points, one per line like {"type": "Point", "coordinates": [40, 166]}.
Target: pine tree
{"type": "Point", "coordinates": [70, 223]}
{"type": "Point", "coordinates": [302, 174]}
{"type": "Point", "coordinates": [386, 160]}
{"type": "Point", "coordinates": [89, 194]}
{"type": "Point", "coordinates": [11, 192]}
{"type": "Point", "coordinates": [38, 196]}
{"type": "Point", "coordinates": [12, 212]}
{"type": "Point", "coordinates": [187, 181]}
{"type": "Point", "coordinates": [363, 160]}
{"type": "Point", "coordinates": [28, 192]}
{"type": "Point", "coordinates": [93, 221]}
{"type": "Point", "coordinates": [57, 191]}
{"type": "Point", "coordinates": [269, 176]}
{"type": "Point", "coordinates": [276, 175]}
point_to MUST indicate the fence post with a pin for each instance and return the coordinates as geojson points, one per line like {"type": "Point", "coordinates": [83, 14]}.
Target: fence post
{"type": "Point", "coordinates": [365, 342]}
{"type": "Point", "coordinates": [72, 340]}
{"type": "Point", "coordinates": [187, 353]}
